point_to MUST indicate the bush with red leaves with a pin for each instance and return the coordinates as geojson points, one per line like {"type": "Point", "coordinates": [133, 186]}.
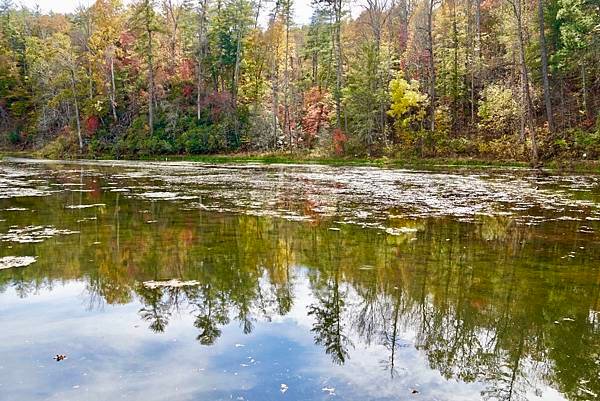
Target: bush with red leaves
{"type": "Point", "coordinates": [92, 123]}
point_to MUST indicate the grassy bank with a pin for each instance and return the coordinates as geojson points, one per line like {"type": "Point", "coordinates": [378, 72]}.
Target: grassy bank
{"type": "Point", "coordinates": [580, 166]}
{"type": "Point", "coordinates": [576, 166]}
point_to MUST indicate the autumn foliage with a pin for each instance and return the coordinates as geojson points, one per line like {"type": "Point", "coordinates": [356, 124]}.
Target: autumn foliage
{"type": "Point", "coordinates": [339, 140]}
{"type": "Point", "coordinates": [317, 110]}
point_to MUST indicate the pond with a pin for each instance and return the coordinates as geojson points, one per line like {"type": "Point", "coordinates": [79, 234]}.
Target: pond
{"type": "Point", "coordinates": [182, 281]}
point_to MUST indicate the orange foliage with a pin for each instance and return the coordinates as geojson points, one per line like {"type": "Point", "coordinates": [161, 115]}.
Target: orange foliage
{"type": "Point", "coordinates": [339, 140]}
{"type": "Point", "coordinates": [317, 109]}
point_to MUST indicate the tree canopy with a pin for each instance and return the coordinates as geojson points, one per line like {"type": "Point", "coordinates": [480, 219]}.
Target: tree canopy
{"type": "Point", "coordinates": [502, 79]}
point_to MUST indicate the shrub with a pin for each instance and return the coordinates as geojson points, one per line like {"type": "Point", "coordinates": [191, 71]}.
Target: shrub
{"type": "Point", "coordinates": [14, 137]}
{"type": "Point", "coordinates": [498, 110]}
{"type": "Point", "coordinates": [202, 139]}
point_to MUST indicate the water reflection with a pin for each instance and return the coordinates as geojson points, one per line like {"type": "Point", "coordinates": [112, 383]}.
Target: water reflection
{"type": "Point", "coordinates": [447, 309]}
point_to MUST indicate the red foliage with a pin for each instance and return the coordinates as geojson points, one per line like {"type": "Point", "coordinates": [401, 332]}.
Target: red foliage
{"type": "Point", "coordinates": [217, 103]}
{"type": "Point", "coordinates": [403, 39]}
{"type": "Point", "coordinates": [126, 39]}
{"type": "Point", "coordinates": [188, 90]}
{"type": "Point", "coordinates": [186, 70]}
{"type": "Point", "coordinates": [339, 140]}
{"type": "Point", "coordinates": [92, 123]}
{"type": "Point", "coordinates": [316, 115]}
{"type": "Point", "coordinates": [127, 58]}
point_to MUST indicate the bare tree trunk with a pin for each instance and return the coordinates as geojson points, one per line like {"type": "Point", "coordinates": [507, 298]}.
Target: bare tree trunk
{"type": "Point", "coordinates": [275, 104]}
{"type": "Point", "coordinates": [469, 64]}
{"type": "Point", "coordinates": [584, 90]}
{"type": "Point", "coordinates": [478, 24]}
{"type": "Point", "coordinates": [455, 69]}
{"type": "Point", "coordinates": [338, 62]}
{"type": "Point", "coordinates": [236, 78]}
{"type": "Point", "coordinates": [150, 88]}
{"type": "Point", "coordinates": [201, 52]}
{"type": "Point", "coordinates": [431, 65]}
{"type": "Point", "coordinates": [525, 76]}
{"type": "Point", "coordinates": [404, 25]}
{"type": "Point", "coordinates": [76, 104]}
{"type": "Point", "coordinates": [150, 78]}
{"type": "Point", "coordinates": [257, 15]}
{"type": "Point", "coordinates": [113, 89]}
{"type": "Point", "coordinates": [275, 81]}
{"type": "Point", "coordinates": [543, 50]}
{"type": "Point", "coordinates": [286, 76]}
{"type": "Point", "coordinates": [173, 13]}
{"type": "Point", "coordinates": [563, 115]}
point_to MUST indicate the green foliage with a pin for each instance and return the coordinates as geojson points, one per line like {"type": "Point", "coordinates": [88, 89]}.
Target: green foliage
{"type": "Point", "coordinates": [587, 142]}
{"type": "Point", "coordinates": [14, 138]}
{"type": "Point", "coordinates": [498, 110]}
{"type": "Point", "coordinates": [366, 97]}
{"type": "Point", "coordinates": [64, 146]}
{"type": "Point", "coordinates": [202, 140]}
{"type": "Point", "coordinates": [461, 146]}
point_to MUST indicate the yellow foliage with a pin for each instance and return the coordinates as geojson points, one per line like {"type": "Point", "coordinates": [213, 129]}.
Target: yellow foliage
{"type": "Point", "coordinates": [407, 102]}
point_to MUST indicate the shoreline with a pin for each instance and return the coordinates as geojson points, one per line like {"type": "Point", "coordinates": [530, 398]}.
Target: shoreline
{"type": "Point", "coordinates": [577, 166]}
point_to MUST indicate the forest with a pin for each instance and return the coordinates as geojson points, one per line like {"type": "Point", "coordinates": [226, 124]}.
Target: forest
{"type": "Point", "coordinates": [487, 79]}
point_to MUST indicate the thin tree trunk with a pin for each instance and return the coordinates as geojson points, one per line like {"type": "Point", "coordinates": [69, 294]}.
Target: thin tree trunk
{"type": "Point", "coordinates": [286, 77]}
{"type": "Point", "coordinates": [150, 80]}
{"type": "Point", "coordinates": [479, 44]}
{"type": "Point", "coordinates": [469, 64]}
{"type": "Point", "coordinates": [201, 48]}
{"type": "Point", "coordinates": [455, 68]}
{"type": "Point", "coordinates": [275, 81]}
{"type": "Point", "coordinates": [584, 90]}
{"type": "Point", "coordinates": [544, 54]}
{"type": "Point", "coordinates": [173, 15]}
{"type": "Point", "coordinates": [338, 62]}
{"type": "Point", "coordinates": [236, 78]}
{"type": "Point", "coordinates": [76, 104]}
{"type": "Point", "coordinates": [257, 15]}
{"type": "Point", "coordinates": [525, 76]}
{"type": "Point", "coordinates": [113, 89]}
{"type": "Point", "coordinates": [431, 65]}
{"type": "Point", "coordinates": [563, 115]}
{"type": "Point", "coordinates": [404, 26]}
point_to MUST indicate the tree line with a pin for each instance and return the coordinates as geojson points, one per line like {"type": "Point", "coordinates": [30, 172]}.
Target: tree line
{"type": "Point", "coordinates": [504, 79]}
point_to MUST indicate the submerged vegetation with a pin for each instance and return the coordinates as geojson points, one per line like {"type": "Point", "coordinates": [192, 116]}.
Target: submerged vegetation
{"type": "Point", "coordinates": [495, 80]}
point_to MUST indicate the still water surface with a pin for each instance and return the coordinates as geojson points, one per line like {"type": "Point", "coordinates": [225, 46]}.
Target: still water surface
{"type": "Point", "coordinates": [180, 281]}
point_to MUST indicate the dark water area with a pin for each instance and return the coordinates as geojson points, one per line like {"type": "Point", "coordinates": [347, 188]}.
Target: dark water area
{"type": "Point", "coordinates": [183, 281]}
